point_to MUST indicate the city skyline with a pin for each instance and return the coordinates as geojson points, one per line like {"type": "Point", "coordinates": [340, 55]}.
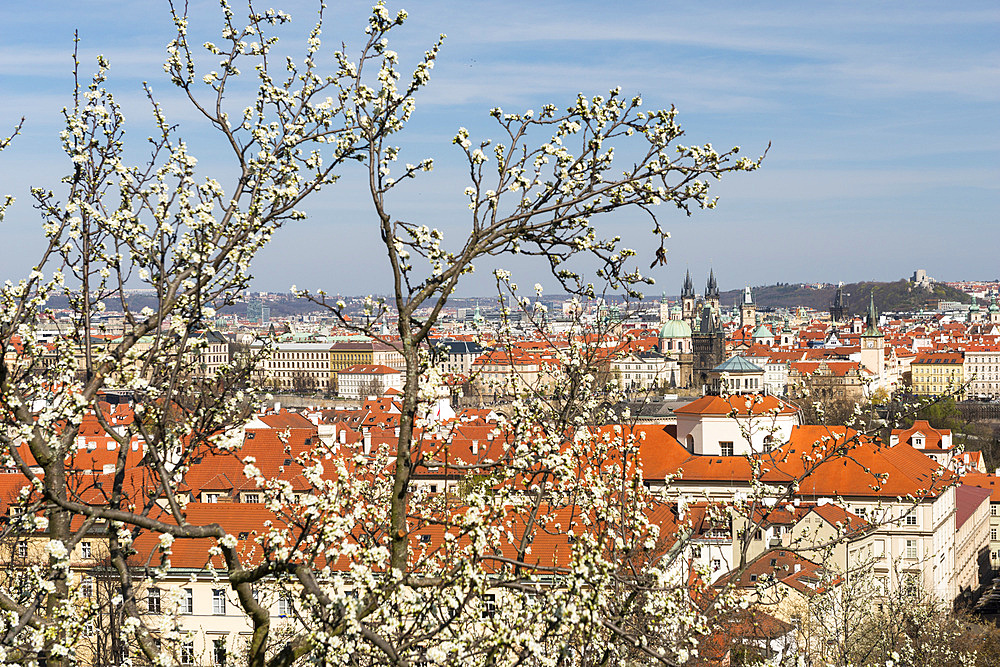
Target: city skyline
{"type": "Point", "coordinates": [881, 124]}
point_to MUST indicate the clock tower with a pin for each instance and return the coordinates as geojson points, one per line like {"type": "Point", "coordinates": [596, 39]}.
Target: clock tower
{"type": "Point", "coordinates": [873, 345]}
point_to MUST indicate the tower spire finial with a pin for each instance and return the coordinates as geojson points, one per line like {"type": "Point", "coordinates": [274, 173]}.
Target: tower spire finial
{"type": "Point", "coordinates": [872, 329]}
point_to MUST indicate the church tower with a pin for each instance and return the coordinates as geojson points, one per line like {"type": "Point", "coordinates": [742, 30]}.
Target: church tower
{"type": "Point", "coordinates": [748, 309]}
{"type": "Point", "coordinates": [837, 308]}
{"type": "Point", "coordinates": [975, 315]}
{"type": "Point", "coordinates": [688, 300]}
{"type": "Point", "coordinates": [873, 345]}
{"type": "Point", "coordinates": [712, 294]}
{"type": "Point", "coordinates": [664, 308]}
{"type": "Point", "coordinates": [787, 336]}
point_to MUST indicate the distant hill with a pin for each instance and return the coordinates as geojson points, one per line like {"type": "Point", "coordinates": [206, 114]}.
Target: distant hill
{"type": "Point", "coordinates": [901, 295]}
{"type": "Point", "coordinates": [281, 305]}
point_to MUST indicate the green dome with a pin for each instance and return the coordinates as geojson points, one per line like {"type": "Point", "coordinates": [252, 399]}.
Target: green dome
{"type": "Point", "coordinates": [675, 329]}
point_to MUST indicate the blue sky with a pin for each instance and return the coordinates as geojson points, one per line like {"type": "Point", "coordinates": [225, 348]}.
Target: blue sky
{"type": "Point", "coordinates": [883, 119]}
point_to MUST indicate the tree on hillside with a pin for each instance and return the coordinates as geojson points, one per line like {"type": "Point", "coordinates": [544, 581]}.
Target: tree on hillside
{"type": "Point", "coordinates": [350, 560]}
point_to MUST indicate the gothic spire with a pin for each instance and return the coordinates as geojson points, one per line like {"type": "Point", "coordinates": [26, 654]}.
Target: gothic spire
{"type": "Point", "coordinates": [837, 308]}
{"type": "Point", "coordinates": [712, 289]}
{"type": "Point", "coordinates": [688, 291]}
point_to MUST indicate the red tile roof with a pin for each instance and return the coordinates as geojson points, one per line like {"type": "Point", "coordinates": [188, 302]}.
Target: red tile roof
{"type": "Point", "coordinates": [742, 405]}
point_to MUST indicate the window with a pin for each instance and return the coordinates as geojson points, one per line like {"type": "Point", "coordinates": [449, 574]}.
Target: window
{"type": "Point", "coordinates": [727, 448]}
{"type": "Point", "coordinates": [219, 651]}
{"type": "Point", "coordinates": [22, 549]}
{"type": "Point", "coordinates": [87, 587]}
{"type": "Point", "coordinates": [911, 549]}
{"type": "Point", "coordinates": [153, 600]}
{"type": "Point", "coordinates": [219, 601]}
{"type": "Point", "coordinates": [284, 605]}
{"type": "Point", "coordinates": [211, 497]}
{"type": "Point", "coordinates": [716, 565]}
{"type": "Point", "coordinates": [187, 601]}
{"type": "Point", "coordinates": [252, 498]}
{"type": "Point", "coordinates": [993, 534]}
{"type": "Point", "coordinates": [489, 605]}
{"type": "Point", "coordinates": [187, 653]}
{"type": "Point", "coordinates": [993, 510]}
{"type": "Point", "coordinates": [85, 550]}
{"type": "Point", "coordinates": [911, 517]}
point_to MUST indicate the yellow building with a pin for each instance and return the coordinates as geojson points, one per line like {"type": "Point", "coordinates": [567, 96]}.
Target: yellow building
{"type": "Point", "coordinates": [937, 373]}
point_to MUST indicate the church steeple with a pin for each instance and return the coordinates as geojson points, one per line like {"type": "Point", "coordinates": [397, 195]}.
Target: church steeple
{"type": "Point", "coordinates": [712, 294]}
{"type": "Point", "coordinates": [872, 346]}
{"type": "Point", "coordinates": [748, 309]}
{"type": "Point", "coordinates": [872, 328]}
{"type": "Point", "coordinates": [711, 289]}
{"type": "Point", "coordinates": [688, 290]}
{"type": "Point", "coordinates": [688, 313]}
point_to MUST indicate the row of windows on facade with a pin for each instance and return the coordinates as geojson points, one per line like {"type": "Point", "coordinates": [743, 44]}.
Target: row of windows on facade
{"type": "Point", "coordinates": [909, 517]}
{"type": "Point", "coordinates": [86, 550]}
{"type": "Point", "coordinates": [186, 654]}
{"type": "Point", "coordinates": [219, 605]}
{"type": "Point", "coordinates": [219, 652]}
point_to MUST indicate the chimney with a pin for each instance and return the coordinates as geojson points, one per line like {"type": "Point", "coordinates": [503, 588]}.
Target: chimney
{"type": "Point", "coordinates": [368, 441]}
{"type": "Point", "coordinates": [798, 566]}
{"type": "Point", "coordinates": [342, 436]}
{"type": "Point", "coordinates": [475, 446]}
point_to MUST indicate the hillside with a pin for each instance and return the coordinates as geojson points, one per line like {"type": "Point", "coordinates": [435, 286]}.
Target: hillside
{"type": "Point", "coordinates": [897, 296]}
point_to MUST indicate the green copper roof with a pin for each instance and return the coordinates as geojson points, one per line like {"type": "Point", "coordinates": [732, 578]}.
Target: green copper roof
{"type": "Point", "coordinates": [872, 329]}
{"type": "Point", "coordinates": [737, 365]}
{"type": "Point", "coordinates": [675, 329]}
